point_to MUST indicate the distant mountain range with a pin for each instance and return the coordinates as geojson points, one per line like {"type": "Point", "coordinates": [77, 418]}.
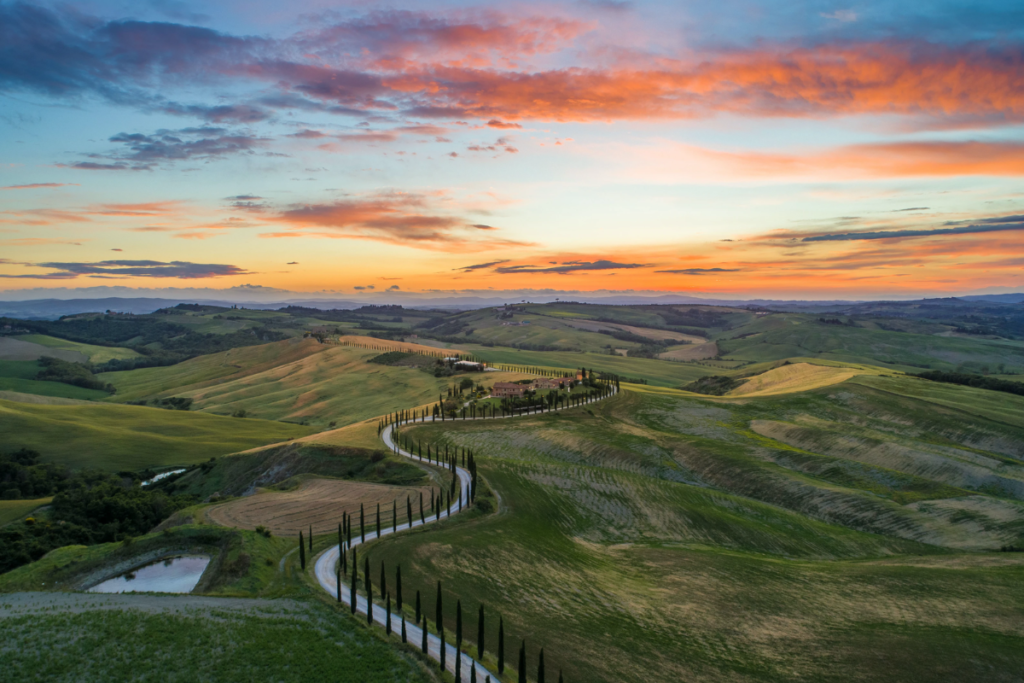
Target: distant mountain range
{"type": "Point", "coordinates": [54, 308]}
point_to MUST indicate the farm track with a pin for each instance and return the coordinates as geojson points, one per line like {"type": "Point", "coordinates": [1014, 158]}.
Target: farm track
{"type": "Point", "coordinates": [326, 563]}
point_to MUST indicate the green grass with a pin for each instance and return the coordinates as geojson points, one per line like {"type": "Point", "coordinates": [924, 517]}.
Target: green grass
{"type": "Point", "coordinates": [114, 437]}
{"type": "Point", "coordinates": [656, 372]}
{"type": "Point", "coordinates": [647, 538]}
{"type": "Point", "coordinates": [301, 637]}
{"type": "Point", "coordinates": [590, 569]}
{"type": "Point", "coordinates": [95, 354]}
{"type": "Point", "coordinates": [13, 510]}
{"type": "Point", "coordinates": [293, 380]}
{"type": "Point", "coordinates": [785, 335]}
{"type": "Point", "coordinates": [19, 375]}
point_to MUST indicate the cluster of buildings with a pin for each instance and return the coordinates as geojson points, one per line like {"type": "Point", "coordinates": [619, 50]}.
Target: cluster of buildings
{"type": "Point", "coordinates": [515, 389]}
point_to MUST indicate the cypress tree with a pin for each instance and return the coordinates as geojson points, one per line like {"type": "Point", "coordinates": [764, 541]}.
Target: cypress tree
{"type": "Point", "coordinates": [444, 648]}
{"type": "Point", "coordinates": [458, 623]}
{"type": "Point", "coordinates": [480, 634]}
{"type": "Point", "coordinates": [302, 552]}
{"type": "Point", "coordinates": [341, 540]}
{"type": "Point", "coordinates": [423, 520]}
{"type": "Point", "coordinates": [339, 583]}
{"type": "Point", "coordinates": [522, 662]}
{"type": "Point", "coordinates": [501, 645]}
{"type": "Point", "coordinates": [310, 538]}
{"type": "Point", "coordinates": [398, 587]}
{"type": "Point", "coordinates": [439, 614]}
{"type": "Point", "coordinates": [378, 520]}
{"type": "Point", "coordinates": [560, 679]}
{"type": "Point", "coordinates": [362, 524]}
{"type": "Point", "coordinates": [424, 646]}
{"type": "Point", "coordinates": [540, 667]}
{"type": "Point", "coordinates": [408, 509]}
{"type": "Point", "coordinates": [458, 664]}
{"type": "Point", "coordinates": [355, 583]}
{"type": "Point", "coordinates": [394, 516]}
{"type": "Point", "coordinates": [417, 607]}
{"type": "Point", "coordinates": [387, 626]}
{"type": "Point", "coordinates": [383, 579]}
{"type": "Point", "coordinates": [369, 591]}
{"type": "Point", "coordinates": [405, 638]}
{"type": "Point", "coordinates": [472, 673]}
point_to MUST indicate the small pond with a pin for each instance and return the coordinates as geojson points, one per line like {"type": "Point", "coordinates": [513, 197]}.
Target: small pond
{"type": "Point", "coordinates": [162, 475]}
{"type": "Point", "coordinates": [170, 575]}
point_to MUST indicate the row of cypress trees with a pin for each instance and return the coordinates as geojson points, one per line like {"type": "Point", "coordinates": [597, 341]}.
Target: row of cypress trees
{"type": "Point", "coordinates": [439, 613]}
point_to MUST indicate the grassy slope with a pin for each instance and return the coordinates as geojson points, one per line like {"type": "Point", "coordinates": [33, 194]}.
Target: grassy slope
{"type": "Point", "coordinates": [656, 372]}
{"type": "Point", "coordinates": [622, 577]}
{"type": "Point", "coordinates": [305, 638]}
{"type": "Point", "coordinates": [293, 380]}
{"type": "Point", "coordinates": [13, 510]}
{"type": "Point", "coordinates": [117, 437]}
{"type": "Point", "coordinates": [19, 375]}
{"type": "Point", "coordinates": [786, 335]}
{"type": "Point", "coordinates": [95, 354]}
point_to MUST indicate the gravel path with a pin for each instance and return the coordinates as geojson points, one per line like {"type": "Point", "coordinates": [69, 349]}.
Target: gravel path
{"type": "Point", "coordinates": [328, 561]}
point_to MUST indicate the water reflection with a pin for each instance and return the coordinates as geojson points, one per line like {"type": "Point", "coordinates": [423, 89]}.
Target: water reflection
{"type": "Point", "coordinates": [172, 575]}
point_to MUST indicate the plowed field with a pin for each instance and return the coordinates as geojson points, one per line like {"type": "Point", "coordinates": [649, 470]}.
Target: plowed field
{"type": "Point", "coordinates": [317, 502]}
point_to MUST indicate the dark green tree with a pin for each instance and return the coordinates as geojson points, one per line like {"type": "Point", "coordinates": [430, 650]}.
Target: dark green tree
{"type": "Point", "coordinates": [387, 624]}
{"type": "Point", "coordinates": [339, 583]}
{"type": "Point", "coordinates": [355, 582]}
{"type": "Point", "coordinates": [439, 612]}
{"type": "Point", "coordinates": [383, 579]}
{"type": "Point", "coordinates": [369, 591]}
{"type": "Point", "coordinates": [302, 552]}
{"type": "Point", "coordinates": [423, 520]}
{"type": "Point", "coordinates": [408, 510]}
{"type": "Point", "coordinates": [310, 538]}
{"type": "Point", "coordinates": [417, 607]}
{"type": "Point", "coordinates": [540, 667]}
{"type": "Point", "coordinates": [398, 587]}
{"type": "Point", "coordinates": [560, 679]}
{"type": "Point", "coordinates": [444, 648]}
{"type": "Point", "coordinates": [458, 664]}
{"type": "Point", "coordinates": [522, 662]}
{"type": "Point", "coordinates": [378, 520]}
{"type": "Point", "coordinates": [458, 623]}
{"type": "Point", "coordinates": [394, 516]}
{"type": "Point", "coordinates": [362, 524]}
{"type": "Point", "coordinates": [424, 645]}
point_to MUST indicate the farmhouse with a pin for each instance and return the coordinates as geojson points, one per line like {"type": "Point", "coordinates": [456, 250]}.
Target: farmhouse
{"type": "Point", "coordinates": [504, 389]}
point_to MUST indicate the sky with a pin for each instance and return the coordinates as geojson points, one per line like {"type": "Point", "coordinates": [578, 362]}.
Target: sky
{"type": "Point", "coordinates": [737, 149]}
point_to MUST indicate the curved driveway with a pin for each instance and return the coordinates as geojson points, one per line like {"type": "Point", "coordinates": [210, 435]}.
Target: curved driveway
{"type": "Point", "coordinates": [327, 562]}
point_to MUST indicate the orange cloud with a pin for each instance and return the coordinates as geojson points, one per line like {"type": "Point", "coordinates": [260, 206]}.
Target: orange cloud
{"type": "Point", "coordinates": [396, 218]}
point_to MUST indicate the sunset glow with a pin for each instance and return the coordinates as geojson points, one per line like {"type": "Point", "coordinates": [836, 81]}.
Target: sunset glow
{"type": "Point", "coordinates": [744, 150]}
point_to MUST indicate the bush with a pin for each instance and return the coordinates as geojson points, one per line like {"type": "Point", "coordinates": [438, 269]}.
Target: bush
{"type": "Point", "coordinates": [713, 385]}
{"type": "Point", "coordinates": [75, 374]}
{"type": "Point", "coordinates": [12, 494]}
{"type": "Point", "coordinates": [978, 381]}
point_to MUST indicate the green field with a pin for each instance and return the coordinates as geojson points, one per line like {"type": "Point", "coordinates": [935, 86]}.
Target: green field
{"type": "Point", "coordinates": [785, 335]}
{"type": "Point", "coordinates": [95, 354]}
{"type": "Point", "coordinates": [114, 437]}
{"type": "Point", "coordinates": [294, 380]}
{"type": "Point", "coordinates": [19, 375]}
{"type": "Point", "coordinates": [299, 635]}
{"type": "Point", "coordinates": [13, 510]}
{"type": "Point", "coordinates": [662, 538]}
{"type": "Point", "coordinates": [656, 372]}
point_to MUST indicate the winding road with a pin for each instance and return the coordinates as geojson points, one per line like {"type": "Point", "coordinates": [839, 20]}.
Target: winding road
{"type": "Point", "coordinates": [327, 563]}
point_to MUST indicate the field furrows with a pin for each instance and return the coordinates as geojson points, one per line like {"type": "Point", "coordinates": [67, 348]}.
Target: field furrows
{"type": "Point", "coordinates": [320, 503]}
